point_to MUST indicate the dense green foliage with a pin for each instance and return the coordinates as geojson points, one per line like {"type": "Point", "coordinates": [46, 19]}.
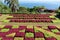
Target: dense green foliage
{"type": "Point", "coordinates": [58, 12]}
{"type": "Point", "coordinates": [35, 10]}
{"type": "Point", "coordinates": [6, 9]}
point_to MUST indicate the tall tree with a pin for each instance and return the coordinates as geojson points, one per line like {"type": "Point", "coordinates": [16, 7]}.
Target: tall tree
{"type": "Point", "coordinates": [13, 4]}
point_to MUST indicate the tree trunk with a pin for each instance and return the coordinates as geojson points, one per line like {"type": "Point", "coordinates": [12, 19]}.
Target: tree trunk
{"type": "Point", "coordinates": [13, 9]}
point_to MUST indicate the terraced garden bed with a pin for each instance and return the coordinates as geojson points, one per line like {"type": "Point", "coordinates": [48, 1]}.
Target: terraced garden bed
{"type": "Point", "coordinates": [22, 32]}
{"type": "Point", "coordinates": [29, 31]}
{"type": "Point", "coordinates": [29, 18]}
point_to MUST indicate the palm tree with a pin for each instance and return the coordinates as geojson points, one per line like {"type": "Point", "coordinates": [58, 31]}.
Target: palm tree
{"type": "Point", "coordinates": [13, 4]}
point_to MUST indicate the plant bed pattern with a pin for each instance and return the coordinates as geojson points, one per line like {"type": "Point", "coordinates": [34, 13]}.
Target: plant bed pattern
{"type": "Point", "coordinates": [30, 18]}
{"type": "Point", "coordinates": [15, 32]}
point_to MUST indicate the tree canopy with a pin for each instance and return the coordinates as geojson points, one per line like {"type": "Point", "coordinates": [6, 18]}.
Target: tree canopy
{"type": "Point", "coordinates": [13, 4]}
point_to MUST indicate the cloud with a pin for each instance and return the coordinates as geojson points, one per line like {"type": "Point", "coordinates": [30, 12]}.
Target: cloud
{"type": "Point", "coordinates": [39, 0]}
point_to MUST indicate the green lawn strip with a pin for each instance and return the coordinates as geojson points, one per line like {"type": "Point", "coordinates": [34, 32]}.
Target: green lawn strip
{"type": "Point", "coordinates": [52, 16]}
{"type": "Point", "coordinates": [45, 27]}
{"type": "Point", "coordinates": [10, 16]}
{"type": "Point", "coordinates": [3, 17]}
{"type": "Point", "coordinates": [58, 26]}
{"type": "Point", "coordinates": [2, 26]}
{"type": "Point", "coordinates": [36, 30]}
{"type": "Point", "coordinates": [18, 38]}
{"type": "Point", "coordinates": [57, 18]}
{"type": "Point", "coordinates": [49, 33]}
{"type": "Point", "coordinates": [56, 21]}
{"type": "Point", "coordinates": [0, 18]}
{"type": "Point", "coordinates": [10, 35]}
{"type": "Point", "coordinates": [39, 39]}
{"type": "Point", "coordinates": [6, 21]}
{"type": "Point", "coordinates": [29, 35]}
{"type": "Point", "coordinates": [55, 30]}
{"type": "Point", "coordinates": [4, 30]}
{"type": "Point", "coordinates": [29, 26]}
{"type": "Point", "coordinates": [0, 38]}
{"type": "Point", "coordinates": [22, 30]}
{"type": "Point", "coordinates": [15, 26]}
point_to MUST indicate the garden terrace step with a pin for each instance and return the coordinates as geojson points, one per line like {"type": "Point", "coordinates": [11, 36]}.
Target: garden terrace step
{"type": "Point", "coordinates": [29, 20]}
{"type": "Point", "coordinates": [31, 14]}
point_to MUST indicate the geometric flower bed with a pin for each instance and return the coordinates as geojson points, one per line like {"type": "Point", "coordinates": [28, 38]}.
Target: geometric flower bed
{"type": "Point", "coordinates": [15, 32]}
{"type": "Point", "coordinates": [29, 18]}
{"type": "Point", "coordinates": [29, 32]}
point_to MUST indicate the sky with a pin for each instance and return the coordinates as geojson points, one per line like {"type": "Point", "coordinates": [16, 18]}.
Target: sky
{"type": "Point", "coordinates": [54, 2]}
{"type": "Point", "coordinates": [49, 1]}
{"type": "Point", "coordinates": [39, 0]}
{"type": "Point", "coordinates": [34, 1]}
